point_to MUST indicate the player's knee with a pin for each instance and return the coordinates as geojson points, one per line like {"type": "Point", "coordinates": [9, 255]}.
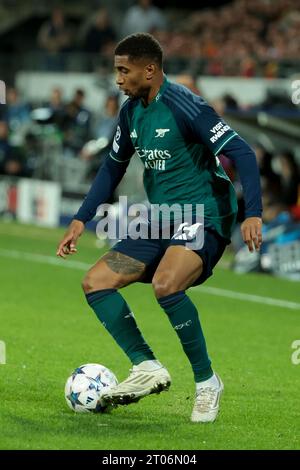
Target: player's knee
{"type": "Point", "coordinates": [93, 282]}
{"type": "Point", "coordinates": [164, 284]}
{"type": "Point", "coordinates": [86, 284]}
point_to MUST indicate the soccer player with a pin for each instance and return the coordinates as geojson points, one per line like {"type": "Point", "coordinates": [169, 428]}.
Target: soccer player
{"type": "Point", "coordinates": [177, 136]}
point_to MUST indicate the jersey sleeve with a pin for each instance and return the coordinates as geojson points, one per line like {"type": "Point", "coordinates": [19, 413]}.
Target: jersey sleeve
{"type": "Point", "coordinates": [244, 159]}
{"type": "Point", "coordinates": [122, 148]}
{"type": "Point", "coordinates": [110, 173]}
{"type": "Point", "coordinates": [107, 179]}
{"type": "Point", "coordinates": [208, 127]}
{"type": "Point", "coordinates": [197, 121]}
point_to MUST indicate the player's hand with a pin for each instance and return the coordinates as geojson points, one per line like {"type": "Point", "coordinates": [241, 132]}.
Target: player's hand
{"type": "Point", "coordinates": [68, 244]}
{"type": "Point", "coordinates": [251, 233]}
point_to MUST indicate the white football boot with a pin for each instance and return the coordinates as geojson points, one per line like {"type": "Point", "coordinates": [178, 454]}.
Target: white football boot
{"type": "Point", "coordinates": [207, 400]}
{"type": "Point", "coordinates": [145, 378]}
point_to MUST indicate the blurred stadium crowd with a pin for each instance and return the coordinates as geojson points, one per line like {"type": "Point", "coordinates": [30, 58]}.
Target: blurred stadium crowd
{"type": "Point", "coordinates": [239, 38]}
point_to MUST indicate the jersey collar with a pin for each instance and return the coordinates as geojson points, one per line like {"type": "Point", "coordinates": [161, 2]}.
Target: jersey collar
{"type": "Point", "coordinates": [157, 96]}
{"type": "Point", "coordinates": [161, 90]}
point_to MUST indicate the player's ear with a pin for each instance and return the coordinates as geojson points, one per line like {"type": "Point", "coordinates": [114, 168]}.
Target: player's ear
{"type": "Point", "coordinates": [150, 71]}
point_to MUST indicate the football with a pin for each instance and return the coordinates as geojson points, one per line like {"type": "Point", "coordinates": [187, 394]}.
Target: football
{"type": "Point", "coordinates": [84, 388]}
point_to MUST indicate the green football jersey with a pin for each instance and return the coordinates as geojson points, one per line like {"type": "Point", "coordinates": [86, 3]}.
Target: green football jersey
{"type": "Point", "coordinates": [178, 137]}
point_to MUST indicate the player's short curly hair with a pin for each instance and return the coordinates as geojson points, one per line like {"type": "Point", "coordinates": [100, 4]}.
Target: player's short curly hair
{"type": "Point", "coordinates": [141, 45]}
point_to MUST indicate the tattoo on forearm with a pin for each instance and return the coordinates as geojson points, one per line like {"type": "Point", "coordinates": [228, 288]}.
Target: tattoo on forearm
{"type": "Point", "coordinates": [123, 264]}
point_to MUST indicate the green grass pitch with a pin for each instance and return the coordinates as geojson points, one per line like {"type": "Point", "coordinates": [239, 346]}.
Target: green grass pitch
{"type": "Point", "coordinates": [49, 330]}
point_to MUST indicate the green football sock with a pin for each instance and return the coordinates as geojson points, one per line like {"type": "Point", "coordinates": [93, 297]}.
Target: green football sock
{"type": "Point", "coordinates": [184, 318]}
{"type": "Point", "coordinates": [117, 318]}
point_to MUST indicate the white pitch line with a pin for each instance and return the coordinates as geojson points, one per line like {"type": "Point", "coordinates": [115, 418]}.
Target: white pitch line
{"type": "Point", "coordinates": [207, 290]}
{"type": "Point", "coordinates": [231, 294]}
{"type": "Point", "coordinates": [44, 259]}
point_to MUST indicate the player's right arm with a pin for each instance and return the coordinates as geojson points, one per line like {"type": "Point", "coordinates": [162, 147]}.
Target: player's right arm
{"type": "Point", "coordinates": [67, 246]}
{"type": "Point", "coordinates": [106, 180]}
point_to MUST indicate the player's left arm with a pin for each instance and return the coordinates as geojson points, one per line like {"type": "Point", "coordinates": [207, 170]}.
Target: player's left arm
{"type": "Point", "coordinates": [245, 162]}
{"type": "Point", "coordinates": [219, 137]}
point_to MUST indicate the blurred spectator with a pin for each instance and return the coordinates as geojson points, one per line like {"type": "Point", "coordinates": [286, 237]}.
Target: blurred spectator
{"type": "Point", "coordinates": [54, 38]}
{"type": "Point", "coordinates": [107, 123]}
{"type": "Point", "coordinates": [277, 99]}
{"type": "Point", "coordinates": [143, 17]}
{"type": "Point", "coordinates": [33, 151]}
{"type": "Point", "coordinates": [76, 125]}
{"type": "Point", "coordinates": [269, 179]}
{"type": "Point", "coordinates": [56, 106]}
{"type": "Point", "coordinates": [225, 103]}
{"type": "Point", "coordinates": [17, 112]}
{"type": "Point", "coordinates": [5, 148]}
{"type": "Point", "coordinates": [100, 34]}
{"type": "Point", "coordinates": [238, 39]}
{"type": "Point", "coordinates": [56, 100]}
{"type": "Point", "coordinates": [11, 161]}
{"type": "Point", "coordinates": [289, 178]}
{"type": "Point", "coordinates": [272, 211]}
{"type": "Point", "coordinates": [103, 134]}
{"type": "Point", "coordinates": [230, 102]}
{"type": "Point", "coordinates": [248, 67]}
{"type": "Point", "coordinates": [188, 80]}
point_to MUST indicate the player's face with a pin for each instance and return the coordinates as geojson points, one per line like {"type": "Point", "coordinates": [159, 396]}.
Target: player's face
{"type": "Point", "coordinates": [132, 77]}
